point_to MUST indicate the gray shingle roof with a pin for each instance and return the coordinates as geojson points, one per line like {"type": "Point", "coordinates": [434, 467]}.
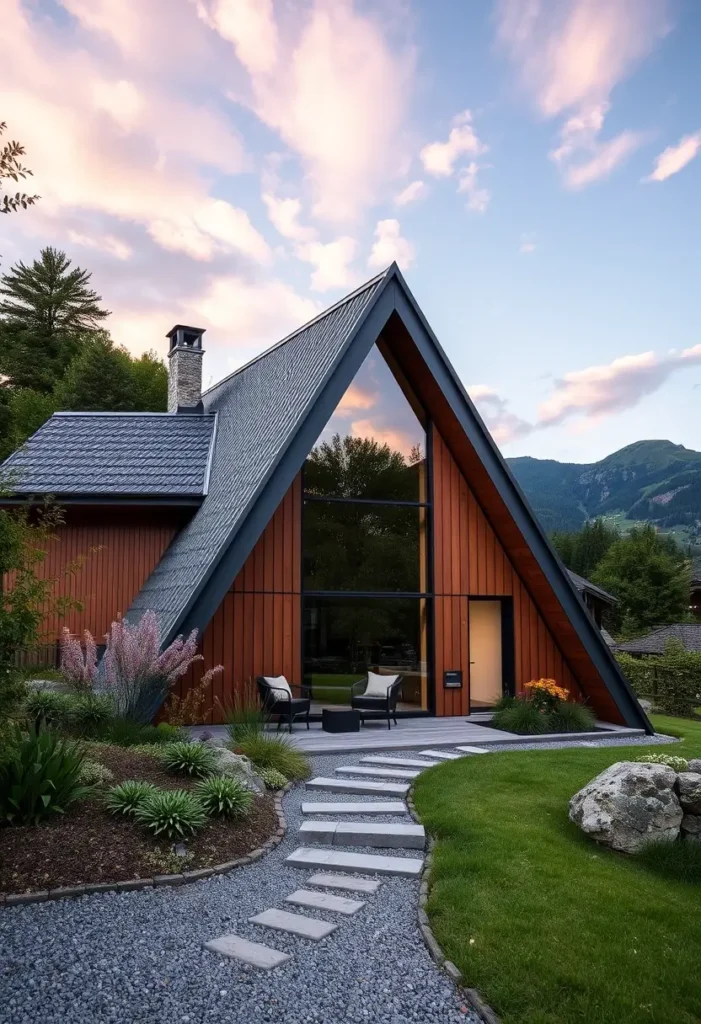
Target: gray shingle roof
{"type": "Point", "coordinates": [696, 571]}
{"type": "Point", "coordinates": [585, 586]}
{"type": "Point", "coordinates": [115, 454]}
{"type": "Point", "coordinates": [259, 408]}
{"type": "Point", "coordinates": [654, 643]}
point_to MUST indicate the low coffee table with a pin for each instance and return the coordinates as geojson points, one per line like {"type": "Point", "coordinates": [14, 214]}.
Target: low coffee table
{"type": "Point", "coordinates": [340, 720]}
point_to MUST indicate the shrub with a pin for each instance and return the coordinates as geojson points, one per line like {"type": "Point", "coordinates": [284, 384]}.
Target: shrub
{"type": "Point", "coordinates": [245, 716]}
{"type": "Point", "coordinates": [523, 718]}
{"type": "Point", "coordinates": [272, 778]}
{"type": "Point", "coordinates": [132, 734]}
{"type": "Point", "coordinates": [13, 694]}
{"type": "Point", "coordinates": [190, 709]}
{"type": "Point", "coordinates": [78, 669]}
{"type": "Point", "coordinates": [193, 759]}
{"type": "Point", "coordinates": [679, 764]}
{"type": "Point", "coordinates": [224, 797]}
{"type": "Point", "coordinates": [126, 798]}
{"type": "Point", "coordinates": [672, 681]}
{"type": "Point", "coordinates": [545, 694]}
{"type": "Point", "coordinates": [92, 773]}
{"type": "Point", "coordinates": [571, 717]}
{"type": "Point", "coordinates": [172, 813]}
{"type": "Point", "coordinates": [275, 752]}
{"type": "Point", "coordinates": [47, 709]}
{"type": "Point", "coordinates": [42, 777]}
{"type": "Point", "coordinates": [88, 714]}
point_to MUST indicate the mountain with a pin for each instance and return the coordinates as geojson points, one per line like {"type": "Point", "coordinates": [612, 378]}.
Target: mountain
{"type": "Point", "coordinates": [654, 481]}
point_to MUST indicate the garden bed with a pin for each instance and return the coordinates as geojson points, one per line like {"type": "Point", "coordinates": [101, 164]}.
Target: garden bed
{"type": "Point", "coordinates": [88, 845]}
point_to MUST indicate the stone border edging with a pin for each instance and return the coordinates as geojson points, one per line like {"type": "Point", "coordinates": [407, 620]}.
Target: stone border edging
{"type": "Point", "coordinates": [133, 884]}
{"type": "Point", "coordinates": [472, 996]}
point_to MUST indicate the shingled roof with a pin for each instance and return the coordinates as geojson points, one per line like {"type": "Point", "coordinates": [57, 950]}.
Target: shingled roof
{"type": "Point", "coordinates": [689, 633]}
{"type": "Point", "coordinates": [585, 586]}
{"type": "Point", "coordinates": [115, 455]}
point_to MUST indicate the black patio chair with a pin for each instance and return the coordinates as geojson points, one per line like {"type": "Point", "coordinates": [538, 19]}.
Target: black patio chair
{"type": "Point", "coordinates": [278, 702]}
{"type": "Point", "coordinates": [386, 705]}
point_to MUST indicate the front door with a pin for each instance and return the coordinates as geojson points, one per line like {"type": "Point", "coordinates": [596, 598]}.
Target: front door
{"type": "Point", "coordinates": [486, 670]}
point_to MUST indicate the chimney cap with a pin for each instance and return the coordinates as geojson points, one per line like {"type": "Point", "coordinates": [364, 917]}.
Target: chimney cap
{"type": "Point", "coordinates": [184, 327]}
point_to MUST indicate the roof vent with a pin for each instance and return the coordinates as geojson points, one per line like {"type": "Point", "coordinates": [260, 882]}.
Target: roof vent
{"type": "Point", "coordinates": [185, 369]}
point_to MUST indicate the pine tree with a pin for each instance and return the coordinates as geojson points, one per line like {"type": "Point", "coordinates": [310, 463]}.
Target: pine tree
{"type": "Point", "coordinates": [98, 379]}
{"type": "Point", "coordinates": [150, 382]}
{"type": "Point", "coordinates": [48, 311]}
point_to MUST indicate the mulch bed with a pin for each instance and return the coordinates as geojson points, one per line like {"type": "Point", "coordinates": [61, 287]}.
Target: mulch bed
{"type": "Point", "coordinates": [87, 845]}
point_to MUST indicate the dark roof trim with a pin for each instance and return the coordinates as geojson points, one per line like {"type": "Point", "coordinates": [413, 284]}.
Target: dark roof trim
{"type": "Point", "coordinates": [210, 455]}
{"type": "Point", "coordinates": [148, 500]}
{"type": "Point", "coordinates": [584, 585]}
{"type": "Point", "coordinates": [513, 497]}
{"type": "Point", "coordinates": [255, 518]}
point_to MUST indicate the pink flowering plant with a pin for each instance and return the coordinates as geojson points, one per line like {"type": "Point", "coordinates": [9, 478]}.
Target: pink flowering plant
{"type": "Point", "coordinates": [79, 661]}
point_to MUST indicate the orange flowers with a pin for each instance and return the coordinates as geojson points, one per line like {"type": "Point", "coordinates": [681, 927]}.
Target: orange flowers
{"type": "Point", "coordinates": [545, 693]}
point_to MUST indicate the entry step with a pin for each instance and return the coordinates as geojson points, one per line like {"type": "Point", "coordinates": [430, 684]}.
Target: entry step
{"type": "Point", "coordinates": [253, 953]}
{"type": "Point", "coordinates": [369, 807]}
{"type": "Point", "coordinates": [398, 762]}
{"type": "Point", "coordinates": [347, 882]}
{"type": "Point", "coordinates": [357, 833]}
{"type": "Point", "coordinates": [442, 755]}
{"type": "Point", "coordinates": [359, 786]}
{"type": "Point", "coordinates": [473, 750]}
{"type": "Point", "coordinates": [362, 863]}
{"type": "Point", "coordinates": [325, 901]}
{"type": "Point", "coordinates": [294, 924]}
{"type": "Point", "coordinates": [377, 773]}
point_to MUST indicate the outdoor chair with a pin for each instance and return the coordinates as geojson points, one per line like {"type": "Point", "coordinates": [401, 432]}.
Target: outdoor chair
{"type": "Point", "coordinates": [277, 699]}
{"type": "Point", "coordinates": [377, 694]}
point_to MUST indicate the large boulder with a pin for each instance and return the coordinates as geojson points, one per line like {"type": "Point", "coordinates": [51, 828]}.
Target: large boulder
{"type": "Point", "coordinates": [695, 765]}
{"type": "Point", "coordinates": [239, 767]}
{"type": "Point", "coordinates": [689, 789]}
{"type": "Point", "coordinates": [628, 805]}
{"type": "Point", "coordinates": [691, 827]}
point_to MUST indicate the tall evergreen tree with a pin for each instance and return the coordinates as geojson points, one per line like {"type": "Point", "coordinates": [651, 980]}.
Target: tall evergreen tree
{"type": "Point", "coordinates": [150, 383]}
{"type": "Point", "coordinates": [47, 311]}
{"type": "Point", "coordinates": [98, 379]}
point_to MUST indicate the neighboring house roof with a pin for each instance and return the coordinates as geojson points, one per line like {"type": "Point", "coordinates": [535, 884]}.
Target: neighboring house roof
{"type": "Point", "coordinates": [654, 643]}
{"type": "Point", "coordinates": [115, 455]}
{"type": "Point", "coordinates": [696, 572]}
{"type": "Point", "coordinates": [608, 639]}
{"type": "Point", "coordinates": [586, 587]}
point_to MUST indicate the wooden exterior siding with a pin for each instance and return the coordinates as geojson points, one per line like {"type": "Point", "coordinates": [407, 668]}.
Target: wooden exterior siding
{"type": "Point", "coordinates": [468, 561]}
{"type": "Point", "coordinates": [257, 629]}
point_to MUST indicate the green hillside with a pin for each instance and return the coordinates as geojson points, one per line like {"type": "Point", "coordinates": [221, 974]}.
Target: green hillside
{"type": "Point", "coordinates": [653, 481]}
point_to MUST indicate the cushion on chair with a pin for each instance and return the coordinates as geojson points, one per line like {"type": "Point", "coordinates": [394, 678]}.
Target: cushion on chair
{"type": "Point", "coordinates": [378, 685]}
{"type": "Point", "coordinates": [281, 687]}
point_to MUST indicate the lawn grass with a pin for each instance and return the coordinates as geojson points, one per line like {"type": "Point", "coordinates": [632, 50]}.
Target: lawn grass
{"type": "Point", "coordinates": [549, 927]}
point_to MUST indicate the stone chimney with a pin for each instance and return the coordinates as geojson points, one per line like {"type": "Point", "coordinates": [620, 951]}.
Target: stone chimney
{"type": "Point", "coordinates": [185, 369]}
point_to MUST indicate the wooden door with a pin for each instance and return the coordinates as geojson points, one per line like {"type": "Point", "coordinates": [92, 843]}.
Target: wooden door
{"type": "Point", "coordinates": [486, 672]}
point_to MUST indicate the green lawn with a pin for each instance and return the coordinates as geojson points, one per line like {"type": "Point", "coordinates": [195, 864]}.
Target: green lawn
{"type": "Point", "coordinates": [549, 927]}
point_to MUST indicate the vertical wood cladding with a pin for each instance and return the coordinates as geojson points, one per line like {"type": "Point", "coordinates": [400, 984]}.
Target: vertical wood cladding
{"type": "Point", "coordinates": [257, 629]}
{"type": "Point", "coordinates": [469, 560]}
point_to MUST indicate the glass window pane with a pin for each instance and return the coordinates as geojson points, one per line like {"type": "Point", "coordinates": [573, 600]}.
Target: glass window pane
{"type": "Point", "coordinates": [345, 637]}
{"type": "Point", "coordinates": [374, 445]}
{"type": "Point", "coordinates": [361, 547]}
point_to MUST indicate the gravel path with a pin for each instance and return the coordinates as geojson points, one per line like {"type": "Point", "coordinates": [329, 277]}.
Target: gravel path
{"type": "Point", "coordinates": [138, 957]}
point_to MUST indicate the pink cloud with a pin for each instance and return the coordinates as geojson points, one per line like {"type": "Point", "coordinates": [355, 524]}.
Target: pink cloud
{"type": "Point", "coordinates": [503, 425]}
{"type": "Point", "coordinates": [390, 246]}
{"type": "Point", "coordinates": [413, 191]}
{"type": "Point", "coordinates": [675, 158]}
{"type": "Point", "coordinates": [354, 399]}
{"type": "Point", "coordinates": [440, 158]}
{"type": "Point", "coordinates": [396, 439]}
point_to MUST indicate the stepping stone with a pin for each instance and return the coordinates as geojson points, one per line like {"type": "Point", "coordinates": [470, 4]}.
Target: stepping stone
{"type": "Point", "coordinates": [325, 901]}
{"type": "Point", "coordinates": [294, 924]}
{"type": "Point", "coordinates": [359, 786]}
{"type": "Point", "coordinates": [443, 755]}
{"type": "Point", "coordinates": [378, 773]}
{"type": "Point", "coordinates": [370, 807]}
{"type": "Point", "coordinates": [253, 953]}
{"type": "Point", "coordinates": [334, 881]}
{"type": "Point", "coordinates": [473, 750]}
{"type": "Point", "coordinates": [398, 762]}
{"type": "Point", "coordinates": [351, 833]}
{"type": "Point", "coordinates": [363, 863]}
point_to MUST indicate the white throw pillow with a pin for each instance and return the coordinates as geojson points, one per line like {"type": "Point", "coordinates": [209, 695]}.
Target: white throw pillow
{"type": "Point", "coordinates": [279, 683]}
{"type": "Point", "coordinates": [379, 685]}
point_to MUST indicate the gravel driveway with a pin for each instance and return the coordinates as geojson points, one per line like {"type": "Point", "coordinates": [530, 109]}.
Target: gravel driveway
{"type": "Point", "coordinates": [139, 957]}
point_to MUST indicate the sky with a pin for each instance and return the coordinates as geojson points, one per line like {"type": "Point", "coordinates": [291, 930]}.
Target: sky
{"type": "Point", "coordinates": [533, 166]}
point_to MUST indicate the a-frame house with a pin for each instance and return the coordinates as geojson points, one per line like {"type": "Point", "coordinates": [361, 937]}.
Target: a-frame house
{"type": "Point", "coordinates": [335, 505]}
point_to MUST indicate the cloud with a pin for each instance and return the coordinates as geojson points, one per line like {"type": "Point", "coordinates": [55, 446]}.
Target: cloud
{"type": "Point", "coordinates": [284, 215]}
{"type": "Point", "coordinates": [477, 197]}
{"type": "Point", "coordinates": [603, 390]}
{"type": "Point", "coordinates": [354, 399]}
{"type": "Point", "coordinates": [397, 440]}
{"type": "Point", "coordinates": [332, 262]}
{"type": "Point", "coordinates": [570, 55]}
{"type": "Point", "coordinates": [439, 158]}
{"type": "Point", "coordinates": [674, 158]}
{"type": "Point", "coordinates": [415, 190]}
{"type": "Point", "coordinates": [327, 81]}
{"type": "Point", "coordinates": [390, 246]}
{"type": "Point", "coordinates": [527, 245]}
{"type": "Point", "coordinates": [504, 426]}
{"type": "Point", "coordinates": [107, 243]}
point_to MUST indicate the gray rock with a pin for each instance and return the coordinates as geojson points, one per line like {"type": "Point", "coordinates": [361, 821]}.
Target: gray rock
{"type": "Point", "coordinates": [691, 827]}
{"type": "Point", "coordinates": [239, 767]}
{"type": "Point", "coordinates": [689, 789]}
{"type": "Point", "coordinates": [695, 765]}
{"type": "Point", "coordinates": [629, 805]}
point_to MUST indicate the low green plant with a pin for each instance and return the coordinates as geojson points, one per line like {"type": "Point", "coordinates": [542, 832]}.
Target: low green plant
{"type": "Point", "coordinates": [277, 752]}
{"type": "Point", "coordinates": [47, 709]}
{"type": "Point", "coordinates": [132, 734]}
{"type": "Point", "coordinates": [194, 759]}
{"type": "Point", "coordinates": [89, 714]}
{"type": "Point", "coordinates": [224, 797]}
{"type": "Point", "coordinates": [244, 716]}
{"type": "Point", "coordinates": [168, 862]}
{"type": "Point", "coordinates": [679, 764]}
{"type": "Point", "coordinates": [42, 777]}
{"type": "Point", "coordinates": [521, 717]}
{"type": "Point", "coordinates": [272, 778]}
{"type": "Point", "coordinates": [172, 813]}
{"type": "Point", "coordinates": [93, 773]}
{"type": "Point", "coordinates": [13, 693]}
{"type": "Point", "coordinates": [569, 716]}
{"type": "Point", "coordinates": [679, 861]}
{"type": "Point", "coordinates": [127, 797]}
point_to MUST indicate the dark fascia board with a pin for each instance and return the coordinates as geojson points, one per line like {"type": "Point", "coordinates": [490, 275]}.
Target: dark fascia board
{"type": "Point", "coordinates": [281, 474]}
{"type": "Point", "coordinates": [106, 499]}
{"type": "Point", "coordinates": [513, 497]}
